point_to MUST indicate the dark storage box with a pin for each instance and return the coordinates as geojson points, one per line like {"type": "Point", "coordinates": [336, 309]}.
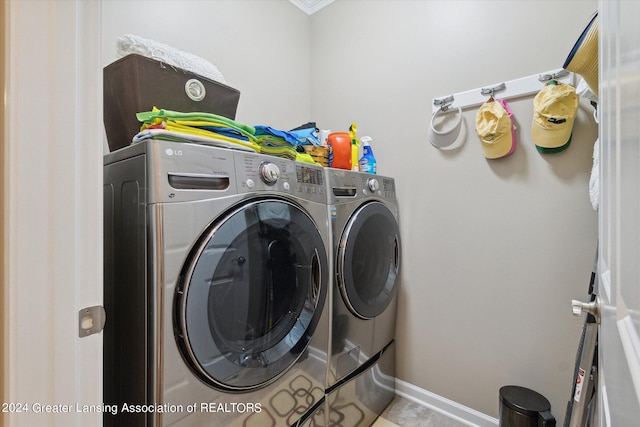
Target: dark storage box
{"type": "Point", "coordinates": [136, 83]}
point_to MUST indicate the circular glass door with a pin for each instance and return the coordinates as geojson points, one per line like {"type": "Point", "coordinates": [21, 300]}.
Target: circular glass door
{"type": "Point", "coordinates": [251, 295]}
{"type": "Point", "coordinates": [368, 260]}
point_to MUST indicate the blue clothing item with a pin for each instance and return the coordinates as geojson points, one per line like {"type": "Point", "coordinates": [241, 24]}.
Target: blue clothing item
{"type": "Point", "coordinates": [228, 132]}
{"type": "Point", "coordinates": [293, 137]}
{"type": "Point", "coordinates": [306, 136]}
{"type": "Point", "coordinates": [269, 131]}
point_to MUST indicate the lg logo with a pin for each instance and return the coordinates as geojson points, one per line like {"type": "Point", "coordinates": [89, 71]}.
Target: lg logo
{"type": "Point", "coordinates": [171, 152]}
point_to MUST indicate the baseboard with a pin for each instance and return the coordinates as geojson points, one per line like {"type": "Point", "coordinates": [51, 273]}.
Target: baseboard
{"type": "Point", "coordinates": [447, 407]}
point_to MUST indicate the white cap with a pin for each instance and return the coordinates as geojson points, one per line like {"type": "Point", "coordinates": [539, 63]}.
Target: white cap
{"type": "Point", "coordinates": [446, 137]}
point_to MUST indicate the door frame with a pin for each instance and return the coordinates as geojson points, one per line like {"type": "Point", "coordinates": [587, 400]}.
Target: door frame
{"type": "Point", "coordinates": [51, 157]}
{"type": "Point", "coordinates": [618, 376]}
{"type": "Point", "coordinates": [3, 62]}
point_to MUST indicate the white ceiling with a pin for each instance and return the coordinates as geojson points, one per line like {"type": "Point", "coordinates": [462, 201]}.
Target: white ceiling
{"type": "Point", "coordinates": [311, 6]}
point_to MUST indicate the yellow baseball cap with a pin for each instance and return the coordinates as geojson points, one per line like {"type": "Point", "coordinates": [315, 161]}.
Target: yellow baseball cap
{"type": "Point", "coordinates": [554, 111]}
{"type": "Point", "coordinates": [493, 126]}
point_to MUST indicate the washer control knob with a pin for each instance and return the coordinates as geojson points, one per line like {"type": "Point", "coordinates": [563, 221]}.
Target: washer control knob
{"type": "Point", "coordinates": [269, 172]}
{"type": "Point", "coordinates": [373, 185]}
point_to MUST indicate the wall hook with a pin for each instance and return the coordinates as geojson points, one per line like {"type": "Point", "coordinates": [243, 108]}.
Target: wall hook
{"type": "Point", "coordinates": [517, 88]}
{"type": "Point", "coordinates": [552, 76]}
{"type": "Point", "coordinates": [492, 90]}
{"type": "Point", "coordinates": [444, 103]}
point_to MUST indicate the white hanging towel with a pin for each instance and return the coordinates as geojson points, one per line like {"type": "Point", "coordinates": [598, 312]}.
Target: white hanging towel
{"type": "Point", "coordinates": [594, 180]}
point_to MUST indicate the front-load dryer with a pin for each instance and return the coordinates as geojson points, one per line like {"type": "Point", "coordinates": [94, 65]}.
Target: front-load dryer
{"type": "Point", "coordinates": [365, 251]}
{"type": "Point", "coordinates": [216, 279]}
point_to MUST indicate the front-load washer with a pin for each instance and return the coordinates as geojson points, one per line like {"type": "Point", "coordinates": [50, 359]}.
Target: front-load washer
{"type": "Point", "coordinates": [215, 285]}
{"type": "Point", "coordinates": [365, 251]}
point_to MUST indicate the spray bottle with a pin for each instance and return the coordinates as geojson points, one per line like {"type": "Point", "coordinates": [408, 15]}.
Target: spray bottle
{"type": "Point", "coordinates": [367, 162]}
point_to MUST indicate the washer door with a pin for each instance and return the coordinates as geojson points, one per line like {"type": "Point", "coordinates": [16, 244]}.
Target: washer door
{"type": "Point", "coordinates": [368, 260]}
{"type": "Point", "coordinates": [251, 295]}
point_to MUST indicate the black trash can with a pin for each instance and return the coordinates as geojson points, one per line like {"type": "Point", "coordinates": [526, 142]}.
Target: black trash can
{"type": "Point", "coordinates": [521, 407]}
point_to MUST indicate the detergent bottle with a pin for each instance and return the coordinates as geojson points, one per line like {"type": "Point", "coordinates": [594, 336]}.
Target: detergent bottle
{"type": "Point", "coordinates": [339, 150]}
{"type": "Point", "coordinates": [367, 162]}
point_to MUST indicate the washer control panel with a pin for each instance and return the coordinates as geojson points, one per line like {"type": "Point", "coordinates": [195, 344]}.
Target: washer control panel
{"type": "Point", "coordinates": [257, 172]}
{"type": "Point", "coordinates": [373, 185]}
{"type": "Point", "coordinates": [269, 172]}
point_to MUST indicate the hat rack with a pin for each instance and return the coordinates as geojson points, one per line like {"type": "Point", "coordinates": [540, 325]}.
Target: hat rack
{"type": "Point", "coordinates": [512, 89]}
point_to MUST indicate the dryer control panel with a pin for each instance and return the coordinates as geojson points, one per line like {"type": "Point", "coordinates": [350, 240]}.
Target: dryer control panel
{"type": "Point", "coordinates": [350, 185]}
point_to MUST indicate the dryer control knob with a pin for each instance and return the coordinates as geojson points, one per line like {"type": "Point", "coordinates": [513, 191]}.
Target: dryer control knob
{"type": "Point", "coordinates": [269, 172]}
{"type": "Point", "coordinates": [373, 185]}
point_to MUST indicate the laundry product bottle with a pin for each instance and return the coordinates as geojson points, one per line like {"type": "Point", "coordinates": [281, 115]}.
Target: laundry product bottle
{"type": "Point", "coordinates": [354, 155]}
{"type": "Point", "coordinates": [367, 162]}
{"type": "Point", "coordinates": [324, 133]}
{"type": "Point", "coordinates": [339, 150]}
{"type": "Point", "coordinates": [353, 129]}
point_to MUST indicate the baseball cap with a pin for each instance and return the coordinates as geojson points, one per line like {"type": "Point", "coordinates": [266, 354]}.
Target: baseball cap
{"type": "Point", "coordinates": [583, 58]}
{"type": "Point", "coordinates": [554, 111]}
{"type": "Point", "coordinates": [495, 129]}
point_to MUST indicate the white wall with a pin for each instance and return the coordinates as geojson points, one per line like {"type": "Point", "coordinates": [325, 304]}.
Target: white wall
{"type": "Point", "coordinates": [493, 250]}
{"type": "Point", "coordinates": [261, 47]}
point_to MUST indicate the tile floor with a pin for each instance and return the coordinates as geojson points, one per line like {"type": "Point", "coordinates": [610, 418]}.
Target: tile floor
{"type": "Point", "coordinates": [403, 412]}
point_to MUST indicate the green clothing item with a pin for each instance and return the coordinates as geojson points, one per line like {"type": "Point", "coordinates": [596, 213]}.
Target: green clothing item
{"type": "Point", "coordinates": [177, 116]}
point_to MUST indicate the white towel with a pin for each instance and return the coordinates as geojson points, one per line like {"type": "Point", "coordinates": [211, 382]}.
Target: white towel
{"type": "Point", "coordinates": [130, 43]}
{"type": "Point", "coordinates": [594, 181]}
{"type": "Point", "coordinates": [583, 90]}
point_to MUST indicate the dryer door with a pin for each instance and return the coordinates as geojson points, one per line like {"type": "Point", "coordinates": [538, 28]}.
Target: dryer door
{"type": "Point", "coordinates": [251, 295]}
{"type": "Point", "coordinates": [368, 260]}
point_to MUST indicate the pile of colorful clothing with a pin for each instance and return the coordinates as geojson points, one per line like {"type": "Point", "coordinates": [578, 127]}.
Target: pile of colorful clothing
{"type": "Point", "coordinates": [219, 131]}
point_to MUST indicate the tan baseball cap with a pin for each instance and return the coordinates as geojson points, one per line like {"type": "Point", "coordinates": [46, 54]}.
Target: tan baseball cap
{"type": "Point", "coordinates": [554, 111]}
{"type": "Point", "coordinates": [494, 128]}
